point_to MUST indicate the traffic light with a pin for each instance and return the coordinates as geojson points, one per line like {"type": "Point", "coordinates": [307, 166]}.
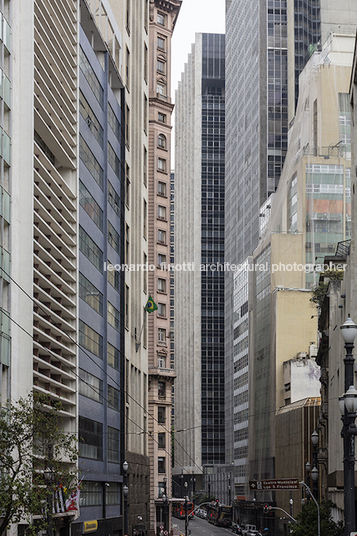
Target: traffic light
{"type": "Point", "coordinates": [266, 508]}
{"type": "Point", "coordinates": [217, 502]}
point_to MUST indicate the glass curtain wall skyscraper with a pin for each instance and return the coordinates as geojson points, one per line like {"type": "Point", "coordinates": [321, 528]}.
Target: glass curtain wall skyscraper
{"type": "Point", "coordinates": [199, 242]}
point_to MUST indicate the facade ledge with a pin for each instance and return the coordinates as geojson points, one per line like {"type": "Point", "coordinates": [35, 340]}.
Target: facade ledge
{"type": "Point", "coordinates": [163, 372]}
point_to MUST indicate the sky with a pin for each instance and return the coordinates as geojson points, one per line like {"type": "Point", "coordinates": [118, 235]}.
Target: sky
{"type": "Point", "coordinates": [196, 16]}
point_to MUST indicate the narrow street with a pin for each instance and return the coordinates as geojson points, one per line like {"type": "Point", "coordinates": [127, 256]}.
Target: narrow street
{"type": "Point", "coordinates": [201, 527]}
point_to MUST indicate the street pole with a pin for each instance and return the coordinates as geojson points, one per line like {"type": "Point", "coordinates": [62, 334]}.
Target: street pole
{"type": "Point", "coordinates": [349, 331]}
{"type": "Point", "coordinates": [315, 471]}
{"type": "Point", "coordinates": [125, 493]}
{"type": "Point", "coordinates": [186, 508]}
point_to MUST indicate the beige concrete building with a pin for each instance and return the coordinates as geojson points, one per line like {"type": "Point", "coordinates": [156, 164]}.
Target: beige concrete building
{"type": "Point", "coordinates": [162, 20]}
{"type": "Point", "coordinates": [133, 19]}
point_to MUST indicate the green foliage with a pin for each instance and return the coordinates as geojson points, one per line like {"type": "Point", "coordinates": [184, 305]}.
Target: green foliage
{"type": "Point", "coordinates": [307, 521]}
{"type": "Point", "coordinates": [318, 293]}
{"type": "Point", "coordinates": [36, 456]}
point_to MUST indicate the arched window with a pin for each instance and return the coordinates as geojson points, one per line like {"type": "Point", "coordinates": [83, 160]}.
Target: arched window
{"type": "Point", "coordinates": [162, 141]}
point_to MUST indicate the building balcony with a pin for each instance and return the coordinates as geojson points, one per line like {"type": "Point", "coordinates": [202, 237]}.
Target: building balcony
{"type": "Point", "coordinates": [163, 372]}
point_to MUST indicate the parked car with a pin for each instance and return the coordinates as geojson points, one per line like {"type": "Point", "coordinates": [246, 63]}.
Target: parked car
{"type": "Point", "coordinates": [236, 529]}
{"type": "Point", "coordinates": [250, 530]}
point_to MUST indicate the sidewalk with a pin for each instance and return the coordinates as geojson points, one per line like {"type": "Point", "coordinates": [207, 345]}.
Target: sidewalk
{"type": "Point", "coordinates": [176, 532]}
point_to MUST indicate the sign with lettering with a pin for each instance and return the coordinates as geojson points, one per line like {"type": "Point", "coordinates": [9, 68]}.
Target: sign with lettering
{"type": "Point", "coordinates": [90, 526]}
{"type": "Point", "coordinates": [274, 483]}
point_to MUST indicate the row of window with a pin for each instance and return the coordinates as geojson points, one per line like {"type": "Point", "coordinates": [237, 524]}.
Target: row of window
{"type": "Point", "coordinates": [91, 440]}
{"type": "Point", "coordinates": [92, 387]}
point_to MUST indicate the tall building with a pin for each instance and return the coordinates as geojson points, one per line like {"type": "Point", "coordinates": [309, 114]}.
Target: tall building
{"type": "Point", "coordinates": [163, 16]}
{"type": "Point", "coordinates": [132, 17]}
{"type": "Point", "coordinates": [274, 40]}
{"type": "Point", "coordinates": [311, 213]}
{"type": "Point", "coordinates": [199, 254]}
{"type": "Point", "coordinates": [43, 234]}
{"type": "Point", "coordinates": [5, 197]}
{"type": "Point", "coordinates": [100, 286]}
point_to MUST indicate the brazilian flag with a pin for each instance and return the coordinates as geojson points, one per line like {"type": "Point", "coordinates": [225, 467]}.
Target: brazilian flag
{"type": "Point", "coordinates": [151, 306]}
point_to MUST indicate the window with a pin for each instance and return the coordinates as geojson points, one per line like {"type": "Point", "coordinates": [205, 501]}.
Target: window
{"type": "Point", "coordinates": [161, 117]}
{"type": "Point", "coordinates": [160, 67]}
{"type": "Point", "coordinates": [113, 122]}
{"type": "Point", "coordinates": [91, 119]}
{"type": "Point", "coordinates": [127, 68]}
{"type": "Point", "coordinates": [113, 238]}
{"type": "Point", "coordinates": [91, 494]}
{"type": "Point", "coordinates": [113, 199]}
{"type": "Point", "coordinates": [161, 285]}
{"type": "Point", "coordinates": [87, 201]}
{"type": "Point", "coordinates": [127, 185]}
{"type": "Point", "coordinates": [160, 42]}
{"type": "Point", "coordinates": [161, 141]}
{"type": "Point", "coordinates": [161, 309]}
{"type": "Point", "coordinates": [113, 277]}
{"type": "Point", "coordinates": [161, 19]}
{"type": "Point", "coordinates": [127, 244]}
{"type": "Point", "coordinates": [90, 249]}
{"type": "Point", "coordinates": [113, 317]}
{"type": "Point", "coordinates": [146, 15]}
{"type": "Point", "coordinates": [90, 294]}
{"type": "Point", "coordinates": [145, 215]}
{"type": "Point", "coordinates": [145, 113]}
{"type": "Point", "coordinates": [145, 259]}
{"type": "Point", "coordinates": [161, 465]}
{"type": "Point", "coordinates": [113, 356]}
{"type": "Point", "coordinates": [145, 62]}
{"type": "Point", "coordinates": [127, 123]}
{"type": "Point", "coordinates": [113, 160]}
{"type": "Point", "coordinates": [112, 491]}
{"type": "Point", "coordinates": [161, 213]}
{"type": "Point", "coordinates": [113, 398]}
{"type": "Point", "coordinates": [161, 440]}
{"type": "Point", "coordinates": [161, 236]}
{"type": "Point", "coordinates": [161, 335]}
{"type": "Point", "coordinates": [90, 339]}
{"type": "Point", "coordinates": [91, 163]}
{"type": "Point", "coordinates": [161, 389]}
{"type": "Point", "coordinates": [91, 77]}
{"type": "Point", "coordinates": [161, 90]}
{"type": "Point", "coordinates": [161, 414]}
{"type": "Point", "coordinates": [161, 360]}
{"type": "Point", "coordinates": [113, 445]}
{"type": "Point", "coordinates": [90, 386]}
{"type": "Point", "coordinates": [90, 439]}
{"type": "Point", "coordinates": [161, 261]}
{"type": "Point", "coordinates": [161, 188]}
{"type": "Point", "coordinates": [127, 306]}
{"type": "Point", "coordinates": [145, 159]}
{"type": "Point", "coordinates": [127, 22]}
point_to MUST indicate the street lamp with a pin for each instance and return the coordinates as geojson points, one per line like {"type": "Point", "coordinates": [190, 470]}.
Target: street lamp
{"type": "Point", "coordinates": [165, 499]}
{"type": "Point", "coordinates": [125, 493]}
{"type": "Point", "coordinates": [348, 407]}
{"type": "Point", "coordinates": [314, 471]}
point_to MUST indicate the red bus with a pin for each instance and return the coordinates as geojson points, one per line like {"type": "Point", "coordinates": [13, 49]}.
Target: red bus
{"type": "Point", "coordinates": [178, 509]}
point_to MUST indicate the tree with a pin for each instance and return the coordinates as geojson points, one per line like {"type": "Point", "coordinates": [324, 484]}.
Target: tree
{"type": "Point", "coordinates": [307, 521]}
{"type": "Point", "coordinates": [37, 460]}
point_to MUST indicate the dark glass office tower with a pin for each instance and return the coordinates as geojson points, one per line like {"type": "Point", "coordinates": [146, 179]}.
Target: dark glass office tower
{"type": "Point", "coordinates": [199, 239]}
{"type": "Point", "coordinates": [101, 302]}
{"type": "Point", "coordinates": [212, 248]}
